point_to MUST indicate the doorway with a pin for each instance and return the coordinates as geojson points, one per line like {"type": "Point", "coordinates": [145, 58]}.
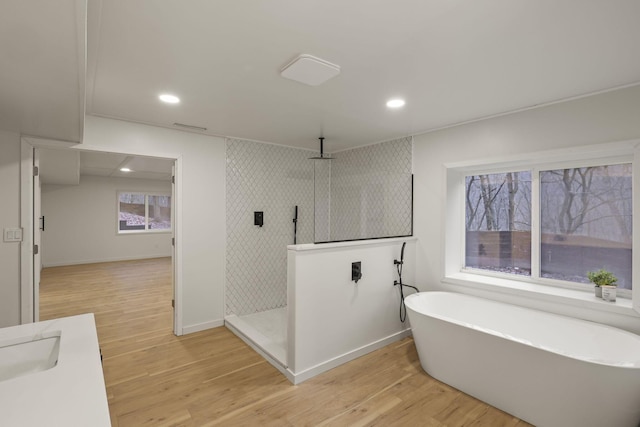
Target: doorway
{"type": "Point", "coordinates": [82, 218]}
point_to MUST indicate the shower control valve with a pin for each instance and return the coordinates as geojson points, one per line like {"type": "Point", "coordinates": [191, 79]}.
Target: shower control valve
{"type": "Point", "coordinates": [356, 271]}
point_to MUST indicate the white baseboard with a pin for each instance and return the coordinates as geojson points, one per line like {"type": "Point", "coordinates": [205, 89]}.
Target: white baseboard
{"type": "Point", "coordinates": [95, 261]}
{"type": "Point", "coordinates": [304, 375]}
{"type": "Point", "coordinates": [202, 326]}
{"type": "Point", "coordinates": [298, 377]}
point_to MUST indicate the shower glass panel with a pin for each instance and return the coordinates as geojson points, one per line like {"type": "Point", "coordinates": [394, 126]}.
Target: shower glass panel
{"type": "Point", "coordinates": [322, 200]}
{"type": "Point", "coordinates": [364, 193]}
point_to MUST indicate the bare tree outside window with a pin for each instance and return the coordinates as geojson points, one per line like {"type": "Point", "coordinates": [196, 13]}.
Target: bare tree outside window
{"type": "Point", "coordinates": [131, 212]}
{"type": "Point", "coordinates": [586, 218]}
{"type": "Point", "coordinates": [498, 222]}
{"type": "Point", "coordinates": [585, 222]}
{"type": "Point", "coordinates": [160, 212]}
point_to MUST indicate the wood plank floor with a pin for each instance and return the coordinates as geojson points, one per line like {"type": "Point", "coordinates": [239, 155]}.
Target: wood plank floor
{"type": "Point", "coordinates": [210, 378]}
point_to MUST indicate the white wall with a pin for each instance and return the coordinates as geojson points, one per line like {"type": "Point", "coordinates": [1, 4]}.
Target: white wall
{"type": "Point", "coordinates": [332, 319]}
{"type": "Point", "coordinates": [81, 223]}
{"type": "Point", "coordinates": [613, 116]}
{"type": "Point", "coordinates": [200, 182]}
{"type": "Point", "coordinates": [9, 218]}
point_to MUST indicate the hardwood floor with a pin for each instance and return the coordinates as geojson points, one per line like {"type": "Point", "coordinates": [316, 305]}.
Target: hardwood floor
{"type": "Point", "coordinates": [210, 378]}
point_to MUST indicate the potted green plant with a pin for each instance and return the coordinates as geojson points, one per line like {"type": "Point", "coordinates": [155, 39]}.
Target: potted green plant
{"type": "Point", "coordinates": [603, 279]}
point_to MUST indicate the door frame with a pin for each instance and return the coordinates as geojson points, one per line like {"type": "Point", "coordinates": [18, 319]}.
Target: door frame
{"type": "Point", "coordinates": [36, 233]}
{"type": "Point", "coordinates": [28, 310]}
{"type": "Point", "coordinates": [26, 223]}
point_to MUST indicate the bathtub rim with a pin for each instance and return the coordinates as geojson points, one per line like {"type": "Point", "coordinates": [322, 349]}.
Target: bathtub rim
{"type": "Point", "coordinates": [409, 302]}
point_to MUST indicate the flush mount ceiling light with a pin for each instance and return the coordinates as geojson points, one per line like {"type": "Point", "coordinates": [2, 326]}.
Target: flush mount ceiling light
{"type": "Point", "coordinates": [125, 170]}
{"type": "Point", "coordinates": [169, 99]}
{"type": "Point", "coordinates": [310, 70]}
{"type": "Point", "coordinates": [395, 103]}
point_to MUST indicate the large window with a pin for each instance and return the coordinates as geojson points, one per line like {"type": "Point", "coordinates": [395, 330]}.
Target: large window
{"type": "Point", "coordinates": [585, 222]}
{"type": "Point", "coordinates": [140, 212]}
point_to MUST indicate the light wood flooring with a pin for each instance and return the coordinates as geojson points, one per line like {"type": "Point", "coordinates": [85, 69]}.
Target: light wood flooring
{"type": "Point", "coordinates": [154, 378]}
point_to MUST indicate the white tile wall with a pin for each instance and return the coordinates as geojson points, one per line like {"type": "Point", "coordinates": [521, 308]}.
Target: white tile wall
{"type": "Point", "coordinates": [272, 179]}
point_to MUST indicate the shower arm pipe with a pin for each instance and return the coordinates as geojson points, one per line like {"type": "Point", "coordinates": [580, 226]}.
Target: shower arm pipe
{"type": "Point", "coordinates": [322, 156]}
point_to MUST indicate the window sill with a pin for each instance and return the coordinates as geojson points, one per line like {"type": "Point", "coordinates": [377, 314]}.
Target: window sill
{"type": "Point", "coordinates": [539, 292]}
{"type": "Point", "coordinates": [129, 232]}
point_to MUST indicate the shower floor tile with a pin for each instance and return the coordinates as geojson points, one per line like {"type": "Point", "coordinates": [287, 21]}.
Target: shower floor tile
{"type": "Point", "coordinates": [272, 324]}
{"type": "Point", "coordinates": [267, 330]}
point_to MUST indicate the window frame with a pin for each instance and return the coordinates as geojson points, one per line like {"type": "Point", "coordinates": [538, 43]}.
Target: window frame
{"type": "Point", "coordinates": [455, 271]}
{"type": "Point", "coordinates": [146, 229]}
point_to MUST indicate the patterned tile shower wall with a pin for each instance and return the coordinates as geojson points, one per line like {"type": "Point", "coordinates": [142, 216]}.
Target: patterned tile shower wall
{"type": "Point", "coordinates": [272, 179]}
{"type": "Point", "coordinates": [371, 191]}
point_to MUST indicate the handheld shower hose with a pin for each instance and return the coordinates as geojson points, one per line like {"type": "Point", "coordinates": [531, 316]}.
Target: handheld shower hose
{"type": "Point", "coordinates": [399, 264]}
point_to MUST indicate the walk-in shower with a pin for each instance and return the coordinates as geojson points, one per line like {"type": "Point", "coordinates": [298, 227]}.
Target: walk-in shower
{"type": "Point", "coordinates": [361, 193]}
{"type": "Point", "coordinates": [277, 181]}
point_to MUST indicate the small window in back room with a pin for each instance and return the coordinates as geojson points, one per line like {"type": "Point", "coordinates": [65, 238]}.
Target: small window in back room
{"type": "Point", "coordinates": [143, 212]}
{"type": "Point", "coordinates": [498, 222]}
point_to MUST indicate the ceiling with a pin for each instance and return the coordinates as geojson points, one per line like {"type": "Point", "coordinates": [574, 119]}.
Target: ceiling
{"type": "Point", "coordinates": [452, 60]}
{"type": "Point", "coordinates": [109, 164]}
{"type": "Point", "coordinates": [66, 166]}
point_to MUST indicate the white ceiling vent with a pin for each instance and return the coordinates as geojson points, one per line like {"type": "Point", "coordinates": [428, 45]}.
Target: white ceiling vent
{"type": "Point", "coordinates": [310, 70]}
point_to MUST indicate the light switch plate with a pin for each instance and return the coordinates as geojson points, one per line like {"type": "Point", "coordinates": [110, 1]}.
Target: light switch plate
{"type": "Point", "coordinates": [12, 234]}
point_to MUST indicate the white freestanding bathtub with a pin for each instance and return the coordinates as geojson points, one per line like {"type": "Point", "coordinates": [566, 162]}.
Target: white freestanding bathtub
{"type": "Point", "coordinates": [546, 369]}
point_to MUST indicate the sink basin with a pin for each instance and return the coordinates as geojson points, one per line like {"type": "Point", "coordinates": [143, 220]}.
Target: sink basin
{"type": "Point", "coordinates": [28, 355]}
{"type": "Point", "coordinates": [51, 375]}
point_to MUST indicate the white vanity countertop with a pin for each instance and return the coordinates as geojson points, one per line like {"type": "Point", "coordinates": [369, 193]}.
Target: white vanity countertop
{"type": "Point", "coordinates": [70, 394]}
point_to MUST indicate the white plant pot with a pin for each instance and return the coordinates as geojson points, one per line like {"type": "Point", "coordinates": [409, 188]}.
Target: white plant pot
{"type": "Point", "coordinates": [609, 293]}
{"type": "Point", "coordinates": [598, 291]}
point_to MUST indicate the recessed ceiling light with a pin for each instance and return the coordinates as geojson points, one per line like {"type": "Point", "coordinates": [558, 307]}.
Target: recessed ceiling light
{"type": "Point", "coordinates": [169, 99]}
{"type": "Point", "coordinates": [125, 170]}
{"type": "Point", "coordinates": [395, 103]}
